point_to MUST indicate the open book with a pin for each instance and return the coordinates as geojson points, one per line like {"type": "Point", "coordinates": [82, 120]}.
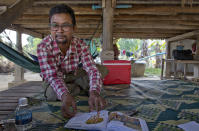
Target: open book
{"type": "Point", "coordinates": [106, 121]}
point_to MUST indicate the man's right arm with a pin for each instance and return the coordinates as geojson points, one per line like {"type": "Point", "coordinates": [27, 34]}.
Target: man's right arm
{"type": "Point", "coordinates": [49, 70]}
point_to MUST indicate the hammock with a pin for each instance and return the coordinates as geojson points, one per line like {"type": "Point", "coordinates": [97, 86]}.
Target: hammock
{"type": "Point", "coordinates": [19, 58]}
{"type": "Point", "coordinates": [24, 61]}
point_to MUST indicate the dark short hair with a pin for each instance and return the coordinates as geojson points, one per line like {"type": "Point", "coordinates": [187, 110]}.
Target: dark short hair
{"type": "Point", "coordinates": [62, 8]}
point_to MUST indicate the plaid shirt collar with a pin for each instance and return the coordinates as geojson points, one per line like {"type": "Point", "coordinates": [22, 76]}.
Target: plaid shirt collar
{"type": "Point", "coordinates": [56, 51]}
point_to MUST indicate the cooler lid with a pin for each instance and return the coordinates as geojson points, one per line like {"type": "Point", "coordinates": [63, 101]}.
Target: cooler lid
{"type": "Point", "coordinates": [117, 62]}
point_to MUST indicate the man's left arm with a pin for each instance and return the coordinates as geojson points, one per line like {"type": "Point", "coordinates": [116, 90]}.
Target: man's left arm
{"type": "Point", "coordinates": [95, 100]}
{"type": "Point", "coordinates": [90, 67]}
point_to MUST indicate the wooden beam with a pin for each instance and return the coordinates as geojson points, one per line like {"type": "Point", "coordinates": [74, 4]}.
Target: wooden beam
{"type": "Point", "coordinates": [179, 19]}
{"type": "Point", "coordinates": [151, 10]}
{"type": "Point", "coordinates": [131, 34]}
{"type": "Point", "coordinates": [122, 22]}
{"type": "Point", "coordinates": [35, 21]}
{"type": "Point", "coordinates": [137, 30]}
{"type": "Point", "coordinates": [45, 26]}
{"type": "Point", "coordinates": [158, 10]}
{"type": "Point", "coordinates": [187, 22]}
{"type": "Point", "coordinates": [13, 13]}
{"type": "Point", "coordinates": [153, 35]}
{"type": "Point", "coordinates": [128, 25]}
{"type": "Point", "coordinates": [157, 26]}
{"type": "Point", "coordinates": [156, 22]}
{"type": "Point", "coordinates": [7, 2]}
{"type": "Point", "coordinates": [153, 2]}
{"type": "Point", "coordinates": [33, 17]}
{"type": "Point", "coordinates": [143, 36]}
{"type": "Point", "coordinates": [26, 31]}
{"type": "Point", "coordinates": [184, 36]}
{"type": "Point", "coordinates": [116, 30]}
{"type": "Point", "coordinates": [69, 2]}
{"type": "Point", "coordinates": [145, 2]}
{"type": "Point", "coordinates": [46, 16]}
{"type": "Point", "coordinates": [79, 10]}
{"type": "Point", "coordinates": [193, 17]}
{"type": "Point", "coordinates": [125, 30]}
{"type": "Point", "coordinates": [3, 9]}
{"type": "Point", "coordinates": [46, 21]}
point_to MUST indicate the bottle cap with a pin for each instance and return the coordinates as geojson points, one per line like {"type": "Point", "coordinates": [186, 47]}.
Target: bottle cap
{"type": "Point", "coordinates": [23, 101]}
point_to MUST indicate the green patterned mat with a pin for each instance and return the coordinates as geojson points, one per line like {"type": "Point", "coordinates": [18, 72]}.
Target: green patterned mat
{"type": "Point", "coordinates": [163, 104]}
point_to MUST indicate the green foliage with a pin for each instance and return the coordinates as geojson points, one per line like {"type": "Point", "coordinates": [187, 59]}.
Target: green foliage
{"type": "Point", "coordinates": [1, 39]}
{"type": "Point", "coordinates": [131, 45]}
{"type": "Point", "coordinates": [152, 72]}
{"type": "Point", "coordinates": [163, 46]}
{"type": "Point", "coordinates": [31, 47]}
{"type": "Point", "coordinates": [98, 44]}
{"type": "Point", "coordinates": [5, 39]}
{"type": "Point", "coordinates": [154, 43]}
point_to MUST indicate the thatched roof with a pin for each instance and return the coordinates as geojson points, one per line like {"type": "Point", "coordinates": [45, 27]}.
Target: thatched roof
{"type": "Point", "coordinates": [142, 19]}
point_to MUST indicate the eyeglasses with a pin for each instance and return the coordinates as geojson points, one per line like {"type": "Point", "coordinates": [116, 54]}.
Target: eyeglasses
{"type": "Point", "coordinates": [64, 27]}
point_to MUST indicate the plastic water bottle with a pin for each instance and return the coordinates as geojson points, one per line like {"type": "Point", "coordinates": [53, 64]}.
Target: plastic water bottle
{"type": "Point", "coordinates": [23, 116]}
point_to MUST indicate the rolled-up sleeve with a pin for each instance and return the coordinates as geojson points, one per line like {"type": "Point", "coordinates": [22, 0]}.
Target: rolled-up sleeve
{"type": "Point", "coordinates": [90, 67]}
{"type": "Point", "coordinates": [49, 69]}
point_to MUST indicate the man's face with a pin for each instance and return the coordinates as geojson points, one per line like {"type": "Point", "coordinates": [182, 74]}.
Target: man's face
{"type": "Point", "coordinates": [61, 28]}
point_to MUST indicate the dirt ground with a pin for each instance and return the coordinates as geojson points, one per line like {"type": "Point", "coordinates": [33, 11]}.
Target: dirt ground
{"type": "Point", "coordinates": [7, 78]}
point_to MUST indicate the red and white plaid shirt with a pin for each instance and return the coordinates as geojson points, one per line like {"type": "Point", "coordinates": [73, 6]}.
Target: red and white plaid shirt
{"type": "Point", "coordinates": [54, 65]}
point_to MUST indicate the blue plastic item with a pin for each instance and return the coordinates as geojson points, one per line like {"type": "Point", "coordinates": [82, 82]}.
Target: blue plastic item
{"type": "Point", "coordinates": [180, 47]}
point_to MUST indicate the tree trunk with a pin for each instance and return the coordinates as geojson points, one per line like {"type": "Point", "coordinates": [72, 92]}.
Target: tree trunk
{"type": "Point", "coordinates": [144, 52]}
{"type": "Point", "coordinates": [158, 58]}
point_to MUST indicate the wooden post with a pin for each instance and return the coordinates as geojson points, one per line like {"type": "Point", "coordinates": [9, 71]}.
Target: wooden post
{"type": "Point", "coordinates": [168, 64]}
{"type": "Point", "coordinates": [107, 46]}
{"type": "Point", "coordinates": [185, 71]}
{"type": "Point", "coordinates": [19, 71]}
{"type": "Point", "coordinates": [162, 70]}
{"type": "Point", "coordinates": [196, 66]}
{"type": "Point", "coordinates": [197, 46]}
{"type": "Point", "coordinates": [196, 70]}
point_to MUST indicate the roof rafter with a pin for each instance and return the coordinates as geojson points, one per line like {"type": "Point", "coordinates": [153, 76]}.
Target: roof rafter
{"type": "Point", "coordinates": [8, 17]}
{"type": "Point", "coordinates": [184, 36]}
{"type": "Point", "coordinates": [26, 31]}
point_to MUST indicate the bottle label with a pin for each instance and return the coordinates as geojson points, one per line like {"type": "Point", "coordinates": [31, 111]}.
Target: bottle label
{"type": "Point", "coordinates": [23, 117]}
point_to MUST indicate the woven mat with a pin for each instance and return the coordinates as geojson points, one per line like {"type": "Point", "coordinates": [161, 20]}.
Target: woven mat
{"type": "Point", "coordinates": [163, 104]}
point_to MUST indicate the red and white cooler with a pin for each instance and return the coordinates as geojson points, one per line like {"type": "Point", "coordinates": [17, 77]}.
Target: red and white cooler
{"type": "Point", "coordinates": [119, 72]}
